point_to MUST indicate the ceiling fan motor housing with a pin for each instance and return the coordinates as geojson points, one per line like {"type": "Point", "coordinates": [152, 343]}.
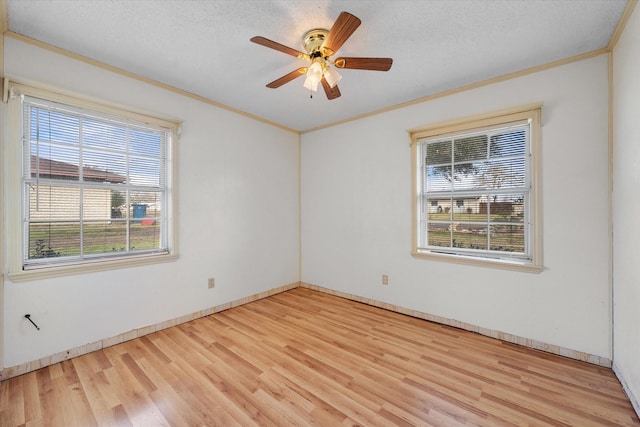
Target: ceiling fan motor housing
{"type": "Point", "coordinates": [313, 39]}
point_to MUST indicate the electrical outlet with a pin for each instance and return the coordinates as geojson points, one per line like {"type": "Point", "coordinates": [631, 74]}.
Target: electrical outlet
{"type": "Point", "coordinates": [212, 283]}
{"type": "Point", "coordinates": [385, 279]}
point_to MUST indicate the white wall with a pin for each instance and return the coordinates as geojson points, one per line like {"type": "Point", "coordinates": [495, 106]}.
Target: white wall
{"type": "Point", "coordinates": [356, 217]}
{"type": "Point", "coordinates": [626, 207]}
{"type": "Point", "coordinates": [238, 220]}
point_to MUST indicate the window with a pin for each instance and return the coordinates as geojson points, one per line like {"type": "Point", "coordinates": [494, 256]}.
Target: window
{"type": "Point", "coordinates": [476, 192]}
{"type": "Point", "coordinates": [95, 182]}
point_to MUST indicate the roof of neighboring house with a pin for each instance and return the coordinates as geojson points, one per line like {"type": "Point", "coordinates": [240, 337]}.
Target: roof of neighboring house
{"type": "Point", "coordinates": [53, 169]}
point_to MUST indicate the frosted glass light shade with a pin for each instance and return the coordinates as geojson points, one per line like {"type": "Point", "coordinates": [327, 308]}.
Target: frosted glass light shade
{"type": "Point", "coordinates": [332, 76]}
{"type": "Point", "coordinates": [314, 75]}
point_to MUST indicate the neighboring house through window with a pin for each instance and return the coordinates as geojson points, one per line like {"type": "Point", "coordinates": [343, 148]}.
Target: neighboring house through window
{"type": "Point", "coordinates": [96, 182]}
{"type": "Point", "coordinates": [476, 191]}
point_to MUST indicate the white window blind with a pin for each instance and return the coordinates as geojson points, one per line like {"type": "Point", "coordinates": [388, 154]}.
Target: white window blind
{"type": "Point", "coordinates": [474, 192]}
{"type": "Point", "coordinates": [95, 185]}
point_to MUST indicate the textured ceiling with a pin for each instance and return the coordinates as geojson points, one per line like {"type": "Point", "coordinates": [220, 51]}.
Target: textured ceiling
{"type": "Point", "coordinates": [203, 46]}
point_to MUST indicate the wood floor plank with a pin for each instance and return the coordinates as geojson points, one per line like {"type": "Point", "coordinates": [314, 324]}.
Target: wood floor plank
{"type": "Point", "coordinates": [306, 358]}
{"type": "Point", "coordinates": [88, 378]}
{"type": "Point", "coordinates": [12, 413]}
{"type": "Point", "coordinates": [32, 407]}
{"type": "Point", "coordinates": [131, 394]}
{"type": "Point", "coordinates": [183, 403]}
{"type": "Point", "coordinates": [120, 416]}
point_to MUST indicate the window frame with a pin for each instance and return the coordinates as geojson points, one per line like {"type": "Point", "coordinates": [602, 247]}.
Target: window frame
{"type": "Point", "coordinates": [13, 94]}
{"type": "Point", "coordinates": [532, 113]}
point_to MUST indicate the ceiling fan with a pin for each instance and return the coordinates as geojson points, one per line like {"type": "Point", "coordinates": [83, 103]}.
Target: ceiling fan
{"type": "Point", "coordinates": [320, 45]}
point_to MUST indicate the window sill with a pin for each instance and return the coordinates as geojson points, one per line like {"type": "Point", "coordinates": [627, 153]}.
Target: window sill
{"type": "Point", "coordinates": [88, 267]}
{"type": "Point", "coordinates": [523, 266]}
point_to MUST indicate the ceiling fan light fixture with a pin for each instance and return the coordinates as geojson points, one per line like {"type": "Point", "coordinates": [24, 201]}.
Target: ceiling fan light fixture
{"type": "Point", "coordinates": [332, 76]}
{"type": "Point", "coordinates": [320, 45]}
{"type": "Point", "coordinates": [314, 75]}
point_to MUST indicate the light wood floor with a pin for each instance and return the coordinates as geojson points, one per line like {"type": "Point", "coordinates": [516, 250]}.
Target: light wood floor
{"type": "Point", "coordinates": [303, 357]}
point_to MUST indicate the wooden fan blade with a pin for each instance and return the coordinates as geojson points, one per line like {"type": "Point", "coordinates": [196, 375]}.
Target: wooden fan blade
{"type": "Point", "coordinates": [331, 92]}
{"type": "Point", "coordinates": [341, 30]}
{"type": "Point", "coordinates": [375, 64]}
{"type": "Point", "coordinates": [279, 47]}
{"type": "Point", "coordinates": [287, 78]}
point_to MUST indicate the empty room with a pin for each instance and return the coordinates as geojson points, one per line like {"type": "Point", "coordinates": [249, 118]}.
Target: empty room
{"type": "Point", "coordinates": [298, 212]}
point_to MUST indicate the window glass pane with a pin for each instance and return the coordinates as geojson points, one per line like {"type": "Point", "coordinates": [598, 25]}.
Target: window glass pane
{"type": "Point", "coordinates": [145, 234]}
{"type": "Point", "coordinates": [506, 208]}
{"type": "Point", "coordinates": [54, 162]}
{"type": "Point", "coordinates": [53, 240]}
{"type": "Point", "coordinates": [509, 143]}
{"type": "Point", "coordinates": [102, 135]}
{"type": "Point", "coordinates": [96, 203]}
{"type": "Point", "coordinates": [469, 236]}
{"type": "Point", "coordinates": [99, 237]}
{"type": "Point", "coordinates": [144, 171]}
{"type": "Point", "coordinates": [439, 235]}
{"type": "Point", "coordinates": [507, 238]}
{"type": "Point", "coordinates": [470, 148]}
{"type": "Point", "coordinates": [145, 204]}
{"type": "Point", "coordinates": [438, 178]}
{"type": "Point", "coordinates": [468, 209]}
{"type": "Point", "coordinates": [438, 152]}
{"type": "Point", "coordinates": [53, 126]}
{"type": "Point", "coordinates": [439, 209]}
{"type": "Point", "coordinates": [99, 166]}
{"type": "Point", "coordinates": [53, 202]}
{"type": "Point", "coordinates": [466, 176]}
{"type": "Point", "coordinates": [501, 174]}
{"type": "Point", "coordinates": [145, 142]}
